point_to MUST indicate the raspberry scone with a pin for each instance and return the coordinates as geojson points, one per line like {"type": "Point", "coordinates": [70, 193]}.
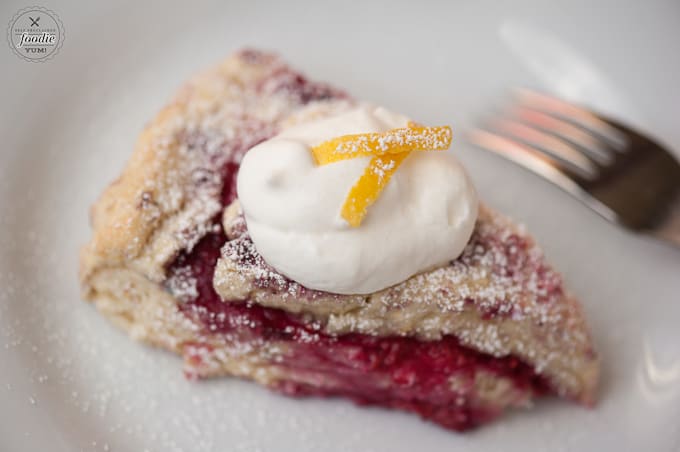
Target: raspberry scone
{"type": "Point", "coordinates": [342, 260]}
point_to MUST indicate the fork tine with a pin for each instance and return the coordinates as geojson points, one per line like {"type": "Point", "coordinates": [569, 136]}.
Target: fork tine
{"type": "Point", "coordinates": [639, 187]}
{"type": "Point", "coordinates": [547, 143]}
{"type": "Point", "coordinates": [572, 113]}
{"type": "Point", "coordinates": [534, 160]}
{"type": "Point", "coordinates": [586, 142]}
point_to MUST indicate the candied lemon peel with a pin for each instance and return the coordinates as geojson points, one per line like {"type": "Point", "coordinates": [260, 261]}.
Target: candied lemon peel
{"type": "Point", "coordinates": [388, 149]}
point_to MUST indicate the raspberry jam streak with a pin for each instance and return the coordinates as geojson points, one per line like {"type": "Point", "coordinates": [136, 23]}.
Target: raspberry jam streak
{"type": "Point", "coordinates": [395, 372]}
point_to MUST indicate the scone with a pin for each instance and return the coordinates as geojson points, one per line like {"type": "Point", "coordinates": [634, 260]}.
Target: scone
{"type": "Point", "coordinates": [173, 262]}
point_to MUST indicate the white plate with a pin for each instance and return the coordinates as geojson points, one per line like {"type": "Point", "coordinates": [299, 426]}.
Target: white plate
{"type": "Point", "coordinates": [70, 381]}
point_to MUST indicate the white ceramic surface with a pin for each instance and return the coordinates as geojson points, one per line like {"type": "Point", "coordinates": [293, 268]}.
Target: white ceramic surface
{"type": "Point", "coordinates": [70, 381]}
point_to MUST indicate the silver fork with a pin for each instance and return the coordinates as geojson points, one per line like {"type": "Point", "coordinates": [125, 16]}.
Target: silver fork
{"type": "Point", "coordinates": [621, 174]}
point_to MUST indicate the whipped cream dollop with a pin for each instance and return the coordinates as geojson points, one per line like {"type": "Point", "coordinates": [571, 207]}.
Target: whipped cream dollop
{"type": "Point", "coordinates": [422, 219]}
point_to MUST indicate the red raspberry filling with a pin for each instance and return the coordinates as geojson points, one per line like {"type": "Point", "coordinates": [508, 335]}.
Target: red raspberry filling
{"type": "Point", "coordinates": [395, 372]}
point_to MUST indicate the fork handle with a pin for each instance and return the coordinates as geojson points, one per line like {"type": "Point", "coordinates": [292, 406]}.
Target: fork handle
{"type": "Point", "coordinates": [669, 228]}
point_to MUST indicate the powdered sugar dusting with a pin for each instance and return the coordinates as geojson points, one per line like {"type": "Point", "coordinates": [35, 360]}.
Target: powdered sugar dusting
{"type": "Point", "coordinates": [182, 284]}
{"type": "Point", "coordinates": [252, 267]}
{"type": "Point", "coordinates": [212, 137]}
{"type": "Point", "coordinates": [499, 297]}
{"type": "Point", "coordinates": [501, 272]}
{"type": "Point", "coordinates": [407, 138]}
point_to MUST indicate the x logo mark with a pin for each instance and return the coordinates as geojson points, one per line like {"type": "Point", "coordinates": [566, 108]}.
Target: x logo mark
{"type": "Point", "coordinates": [34, 22]}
